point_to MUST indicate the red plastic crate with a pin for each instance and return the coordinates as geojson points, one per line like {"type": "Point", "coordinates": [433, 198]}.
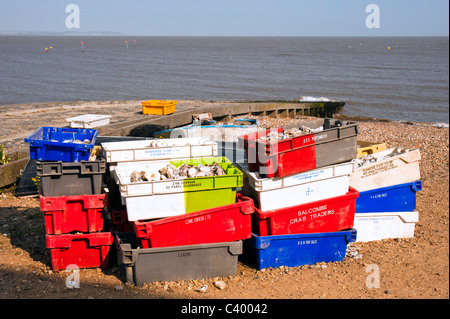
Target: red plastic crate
{"type": "Point", "coordinates": [327, 215]}
{"type": "Point", "coordinates": [215, 225]}
{"type": "Point", "coordinates": [66, 214]}
{"type": "Point", "coordinates": [118, 216]}
{"type": "Point", "coordinates": [83, 250]}
{"type": "Point", "coordinates": [120, 221]}
{"type": "Point", "coordinates": [248, 143]}
{"type": "Point", "coordinates": [280, 158]}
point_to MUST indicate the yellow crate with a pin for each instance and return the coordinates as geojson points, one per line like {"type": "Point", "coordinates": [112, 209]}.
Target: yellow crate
{"type": "Point", "coordinates": [158, 107]}
{"type": "Point", "coordinates": [366, 148]}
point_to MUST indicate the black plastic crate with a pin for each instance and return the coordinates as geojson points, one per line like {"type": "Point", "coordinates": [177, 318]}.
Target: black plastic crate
{"type": "Point", "coordinates": [177, 262]}
{"type": "Point", "coordinates": [70, 178]}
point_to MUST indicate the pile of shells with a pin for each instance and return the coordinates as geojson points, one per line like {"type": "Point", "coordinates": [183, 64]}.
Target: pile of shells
{"type": "Point", "coordinates": [373, 158]}
{"type": "Point", "coordinates": [172, 172]}
{"type": "Point", "coordinates": [290, 133]}
{"type": "Point", "coordinates": [365, 160]}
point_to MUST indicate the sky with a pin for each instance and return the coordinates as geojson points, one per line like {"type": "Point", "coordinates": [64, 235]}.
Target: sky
{"type": "Point", "coordinates": [229, 17]}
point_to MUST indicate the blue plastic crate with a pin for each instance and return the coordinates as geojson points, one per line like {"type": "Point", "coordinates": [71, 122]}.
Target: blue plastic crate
{"type": "Point", "coordinates": [57, 144]}
{"type": "Point", "coordinates": [397, 198]}
{"type": "Point", "coordinates": [297, 249]}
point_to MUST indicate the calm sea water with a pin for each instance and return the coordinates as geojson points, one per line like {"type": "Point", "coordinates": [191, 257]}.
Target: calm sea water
{"type": "Point", "coordinates": [408, 82]}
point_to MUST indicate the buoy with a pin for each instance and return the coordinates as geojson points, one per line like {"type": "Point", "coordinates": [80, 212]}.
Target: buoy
{"type": "Point", "coordinates": [51, 48]}
{"type": "Point", "coordinates": [389, 48]}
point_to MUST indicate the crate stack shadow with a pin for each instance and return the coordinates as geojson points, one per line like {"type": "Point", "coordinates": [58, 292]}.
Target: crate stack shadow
{"type": "Point", "coordinates": [71, 197]}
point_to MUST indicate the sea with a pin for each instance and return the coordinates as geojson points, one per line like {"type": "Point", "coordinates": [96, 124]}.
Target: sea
{"type": "Point", "coordinates": [394, 78]}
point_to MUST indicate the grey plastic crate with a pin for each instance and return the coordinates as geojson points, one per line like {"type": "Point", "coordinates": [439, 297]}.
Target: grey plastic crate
{"type": "Point", "coordinates": [70, 178]}
{"type": "Point", "coordinates": [177, 262]}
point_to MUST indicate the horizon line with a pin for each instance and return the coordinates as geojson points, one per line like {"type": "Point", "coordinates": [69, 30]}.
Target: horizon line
{"type": "Point", "coordinates": [118, 34]}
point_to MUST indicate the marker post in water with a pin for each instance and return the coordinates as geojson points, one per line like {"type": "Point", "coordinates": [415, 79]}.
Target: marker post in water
{"type": "Point", "coordinates": [82, 46]}
{"type": "Point", "coordinates": [134, 42]}
{"type": "Point", "coordinates": [126, 42]}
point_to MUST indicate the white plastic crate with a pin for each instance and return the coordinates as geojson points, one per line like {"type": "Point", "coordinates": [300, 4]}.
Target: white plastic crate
{"type": "Point", "coordinates": [146, 150]}
{"type": "Point", "coordinates": [276, 193]}
{"type": "Point", "coordinates": [396, 166]}
{"type": "Point", "coordinates": [379, 226]}
{"type": "Point", "coordinates": [89, 120]}
{"type": "Point", "coordinates": [150, 207]}
{"type": "Point", "coordinates": [122, 173]}
{"type": "Point", "coordinates": [164, 198]}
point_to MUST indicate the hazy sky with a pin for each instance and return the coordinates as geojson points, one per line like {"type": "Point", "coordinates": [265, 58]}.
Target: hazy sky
{"type": "Point", "coordinates": [230, 17]}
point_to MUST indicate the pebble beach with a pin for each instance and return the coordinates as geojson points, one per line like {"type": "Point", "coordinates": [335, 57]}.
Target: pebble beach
{"type": "Point", "coordinates": [410, 268]}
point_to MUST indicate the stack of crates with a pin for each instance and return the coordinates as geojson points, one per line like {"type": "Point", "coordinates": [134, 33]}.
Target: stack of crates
{"type": "Point", "coordinates": [304, 205]}
{"type": "Point", "coordinates": [176, 229]}
{"type": "Point", "coordinates": [388, 182]}
{"type": "Point", "coordinates": [71, 198]}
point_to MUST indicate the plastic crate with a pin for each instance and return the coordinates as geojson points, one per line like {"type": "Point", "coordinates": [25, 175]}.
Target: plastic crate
{"type": "Point", "coordinates": [70, 178]}
{"type": "Point", "coordinates": [87, 250]}
{"type": "Point", "coordinates": [66, 214]}
{"type": "Point", "coordinates": [368, 148]}
{"type": "Point", "coordinates": [174, 197]}
{"type": "Point", "coordinates": [221, 224]}
{"type": "Point", "coordinates": [336, 143]}
{"type": "Point", "coordinates": [119, 220]}
{"type": "Point", "coordinates": [177, 262]}
{"type": "Point", "coordinates": [397, 198]}
{"type": "Point", "coordinates": [327, 215]}
{"type": "Point", "coordinates": [89, 120]}
{"type": "Point", "coordinates": [158, 107]}
{"type": "Point", "coordinates": [379, 226]}
{"type": "Point", "coordinates": [297, 189]}
{"type": "Point", "coordinates": [394, 166]}
{"type": "Point", "coordinates": [116, 152]}
{"type": "Point", "coordinates": [57, 144]}
{"type": "Point", "coordinates": [297, 249]}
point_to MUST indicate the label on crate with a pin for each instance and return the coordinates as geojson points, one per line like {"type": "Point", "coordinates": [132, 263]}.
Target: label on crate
{"type": "Point", "coordinates": [162, 153]}
{"type": "Point", "coordinates": [378, 168]}
{"type": "Point", "coordinates": [197, 219]}
{"type": "Point", "coordinates": [319, 137]}
{"type": "Point", "coordinates": [177, 186]}
{"type": "Point", "coordinates": [312, 213]}
{"type": "Point", "coordinates": [308, 176]}
{"type": "Point", "coordinates": [376, 196]}
{"type": "Point", "coordinates": [307, 242]}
